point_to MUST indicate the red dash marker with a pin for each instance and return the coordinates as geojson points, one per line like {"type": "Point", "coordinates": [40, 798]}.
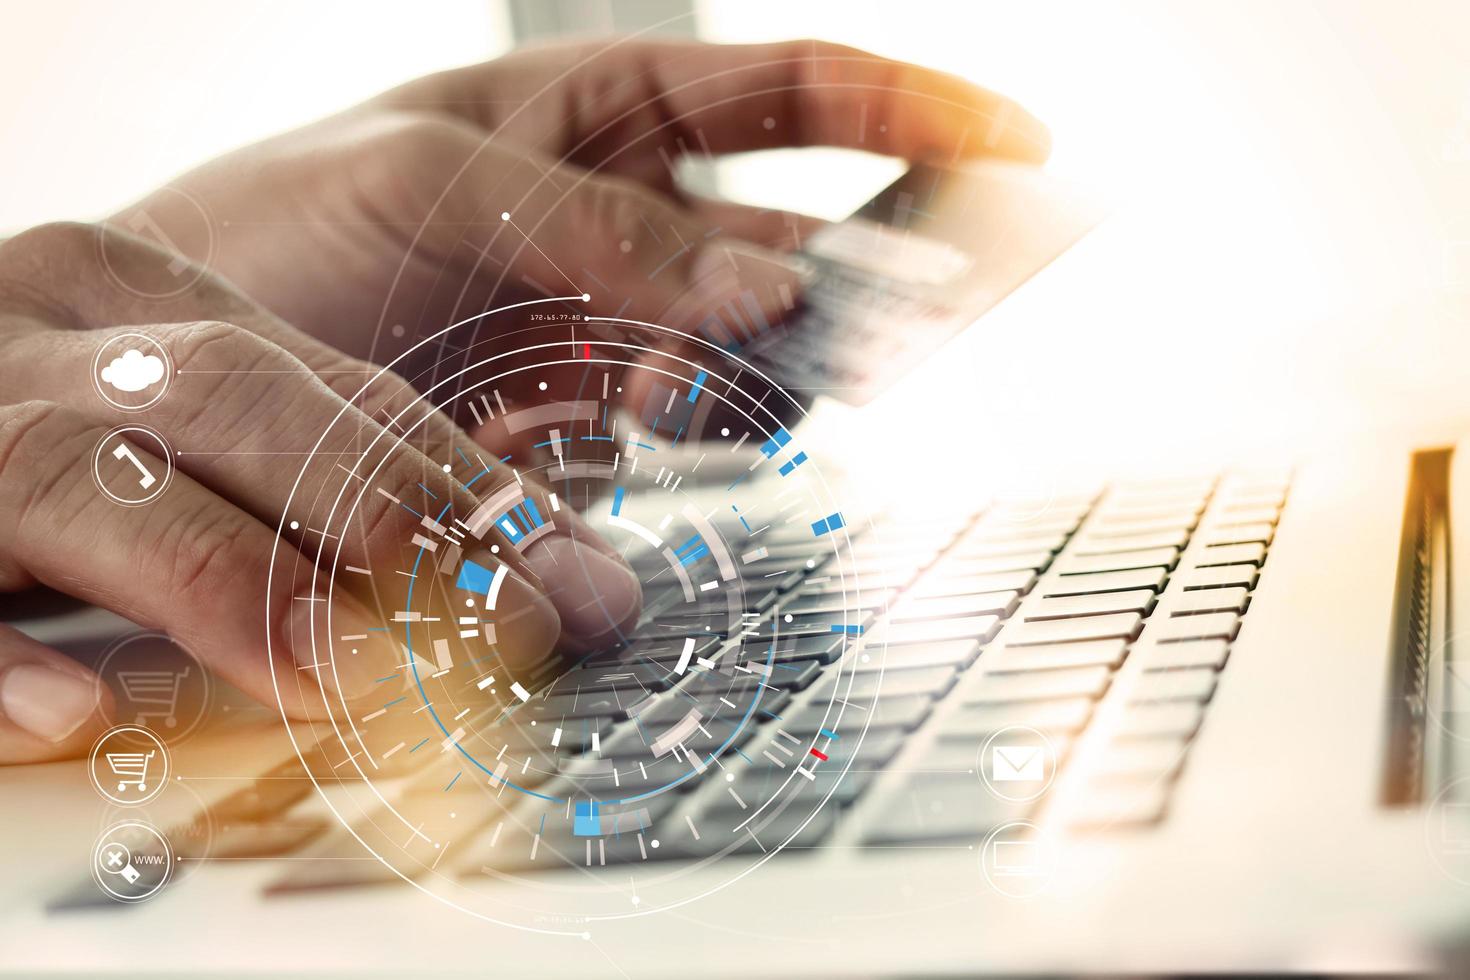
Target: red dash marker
{"type": "Point", "coordinates": [586, 352]}
{"type": "Point", "coordinates": [819, 755]}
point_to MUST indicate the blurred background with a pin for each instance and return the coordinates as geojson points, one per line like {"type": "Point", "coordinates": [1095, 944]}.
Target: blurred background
{"type": "Point", "coordinates": [1292, 175]}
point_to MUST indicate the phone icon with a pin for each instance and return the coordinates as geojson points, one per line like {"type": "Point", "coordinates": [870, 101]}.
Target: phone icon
{"type": "Point", "coordinates": [135, 482]}
{"type": "Point", "coordinates": [122, 451]}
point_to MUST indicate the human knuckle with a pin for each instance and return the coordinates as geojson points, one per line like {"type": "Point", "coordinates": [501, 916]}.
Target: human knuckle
{"type": "Point", "coordinates": [208, 553]}
{"type": "Point", "coordinates": [56, 239]}
{"type": "Point", "coordinates": [43, 453]}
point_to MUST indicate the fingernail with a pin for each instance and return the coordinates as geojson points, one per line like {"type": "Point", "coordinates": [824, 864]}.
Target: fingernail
{"type": "Point", "coordinates": [354, 668]}
{"type": "Point", "coordinates": [48, 703]}
{"type": "Point", "coordinates": [527, 626]}
{"type": "Point", "coordinates": [596, 595]}
{"type": "Point", "coordinates": [1017, 133]}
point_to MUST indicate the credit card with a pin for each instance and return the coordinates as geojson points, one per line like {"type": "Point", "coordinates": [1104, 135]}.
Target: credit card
{"type": "Point", "coordinates": [920, 262]}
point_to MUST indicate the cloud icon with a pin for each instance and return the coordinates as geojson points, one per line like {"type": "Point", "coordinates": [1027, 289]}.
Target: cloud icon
{"type": "Point", "coordinates": [134, 371]}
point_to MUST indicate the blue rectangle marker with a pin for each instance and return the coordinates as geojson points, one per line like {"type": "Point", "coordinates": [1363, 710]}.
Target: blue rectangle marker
{"type": "Point", "coordinates": [830, 523]}
{"type": "Point", "coordinates": [772, 445]}
{"type": "Point", "coordinates": [698, 383]}
{"type": "Point", "coordinates": [585, 820]}
{"type": "Point", "coordinates": [792, 463]}
{"type": "Point", "coordinates": [840, 628]}
{"type": "Point", "coordinates": [617, 500]}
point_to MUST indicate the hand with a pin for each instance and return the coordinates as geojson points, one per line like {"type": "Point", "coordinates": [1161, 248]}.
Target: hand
{"type": "Point", "coordinates": [389, 213]}
{"type": "Point", "coordinates": [196, 560]}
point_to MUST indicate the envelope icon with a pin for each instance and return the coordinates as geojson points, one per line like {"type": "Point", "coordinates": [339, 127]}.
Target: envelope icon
{"type": "Point", "coordinates": [1017, 763]}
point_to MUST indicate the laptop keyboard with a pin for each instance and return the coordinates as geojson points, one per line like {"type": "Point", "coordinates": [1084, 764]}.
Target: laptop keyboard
{"type": "Point", "coordinates": [1103, 620]}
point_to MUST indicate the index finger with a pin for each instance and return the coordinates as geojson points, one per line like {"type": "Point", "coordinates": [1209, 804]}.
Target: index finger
{"type": "Point", "coordinates": [814, 93]}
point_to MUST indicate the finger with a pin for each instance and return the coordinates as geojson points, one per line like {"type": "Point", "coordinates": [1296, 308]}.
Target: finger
{"type": "Point", "coordinates": [51, 707]}
{"type": "Point", "coordinates": [687, 96]}
{"type": "Point", "coordinates": [562, 228]}
{"type": "Point", "coordinates": [784, 231]}
{"type": "Point", "coordinates": [810, 93]}
{"type": "Point", "coordinates": [231, 372]}
{"type": "Point", "coordinates": [189, 562]}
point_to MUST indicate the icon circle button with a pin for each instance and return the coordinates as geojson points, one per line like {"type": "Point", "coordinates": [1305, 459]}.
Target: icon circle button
{"type": "Point", "coordinates": [129, 765]}
{"type": "Point", "coordinates": [127, 476]}
{"type": "Point", "coordinates": [132, 861]}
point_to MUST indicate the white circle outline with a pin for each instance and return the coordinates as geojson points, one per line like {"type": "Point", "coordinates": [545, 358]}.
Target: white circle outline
{"type": "Point", "coordinates": [168, 371]}
{"type": "Point", "coordinates": [103, 841]}
{"type": "Point", "coordinates": [317, 560]}
{"type": "Point", "coordinates": [168, 465]}
{"type": "Point", "coordinates": [162, 751]}
{"type": "Point", "coordinates": [1036, 834]}
{"type": "Point", "coordinates": [116, 647]}
{"type": "Point", "coordinates": [1051, 773]}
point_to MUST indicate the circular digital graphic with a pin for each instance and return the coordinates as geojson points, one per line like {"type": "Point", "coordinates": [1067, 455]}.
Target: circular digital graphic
{"type": "Point", "coordinates": [1447, 830]}
{"type": "Point", "coordinates": [1018, 859]}
{"type": "Point", "coordinates": [132, 371]}
{"type": "Point", "coordinates": [189, 220]}
{"type": "Point", "coordinates": [127, 475]}
{"type": "Point", "coordinates": [156, 683]}
{"type": "Point", "coordinates": [129, 765]}
{"type": "Point", "coordinates": [1017, 763]}
{"type": "Point", "coordinates": [585, 785]}
{"type": "Point", "coordinates": [132, 861]}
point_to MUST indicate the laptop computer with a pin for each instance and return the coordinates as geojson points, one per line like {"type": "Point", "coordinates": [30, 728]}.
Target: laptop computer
{"type": "Point", "coordinates": [1182, 720]}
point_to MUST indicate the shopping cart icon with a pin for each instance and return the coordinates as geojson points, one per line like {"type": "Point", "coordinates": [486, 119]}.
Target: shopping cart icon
{"type": "Point", "coordinates": [154, 688]}
{"type": "Point", "coordinates": [131, 768]}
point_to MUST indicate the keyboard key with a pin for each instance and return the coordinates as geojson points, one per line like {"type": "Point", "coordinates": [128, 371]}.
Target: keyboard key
{"type": "Point", "coordinates": [1177, 718]}
{"type": "Point", "coordinates": [1118, 561]}
{"type": "Point", "coordinates": [1088, 545]}
{"type": "Point", "coordinates": [1065, 717]}
{"type": "Point", "coordinates": [1042, 685]}
{"type": "Point", "coordinates": [1090, 653]}
{"type": "Point", "coordinates": [1140, 601]}
{"type": "Point", "coordinates": [1196, 684]}
{"type": "Point", "coordinates": [903, 713]}
{"type": "Point", "coordinates": [988, 603]}
{"type": "Point", "coordinates": [1248, 495]}
{"type": "Point", "coordinates": [557, 708]}
{"type": "Point", "coordinates": [1208, 626]}
{"type": "Point", "coordinates": [941, 806]}
{"type": "Point", "coordinates": [1214, 537]}
{"type": "Point", "coordinates": [1173, 656]}
{"type": "Point", "coordinates": [1033, 561]}
{"type": "Point", "coordinates": [824, 648]}
{"type": "Point", "coordinates": [270, 838]}
{"type": "Point", "coordinates": [952, 653]}
{"type": "Point", "coordinates": [623, 677]}
{"type": "Point", "coordinates": [934, 584]}
{"type": "Point", "coordinates": [859, 585]}
{"type": "Point", "coordinates": [1116, 805]}
{"type": "Point", "coordinates": [796, 676]}
{"type": "Point", "coordinates": [1220, 576]}
{"type": "Point", "coordinates": [1230, 599]}
{"type": "Point", "coordinates": [981, 629]}
{"type": "Point", "coordinates": [934, 682]}
{"type": "Point", "coordinates": [1253, 553]}
{"type": "Point", "coordinates": [1141, 578]}
{"type": "Point", "coordinates": [1244, 515]}
{"type": "Point", "coordinates": [269, 796]}
{"type": "Point", "coordinates": [827, 604]}
{"type": "Point", "coordinates": [1146, 758]}
{"type": "Point", "coordinates": [1028, 633]}
{"type": "Point", "coordinates": [770, 833]}
{"type": "Point", "coordinates": [1045, 543]}
{"type": "Point", "coordinates": [1105, 530]}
